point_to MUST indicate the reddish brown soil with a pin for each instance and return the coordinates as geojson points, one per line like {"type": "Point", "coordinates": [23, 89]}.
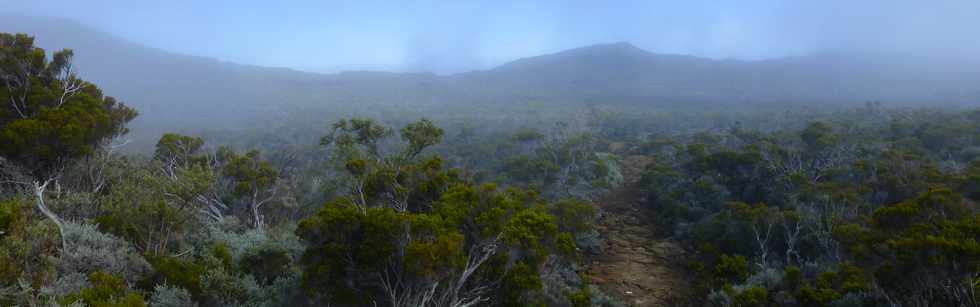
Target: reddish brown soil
{"type": "Point", "coordinates": [635, 266]}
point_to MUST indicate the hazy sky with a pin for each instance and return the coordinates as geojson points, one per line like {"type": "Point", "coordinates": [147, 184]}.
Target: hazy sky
{"type": "Point", "coordinates": [451, 36]}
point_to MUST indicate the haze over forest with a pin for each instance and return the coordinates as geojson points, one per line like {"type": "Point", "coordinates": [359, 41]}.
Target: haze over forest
{"type": "Point", "coordinates": [489, 153]}
{"type": "Point", "coordinates": [196, 92]}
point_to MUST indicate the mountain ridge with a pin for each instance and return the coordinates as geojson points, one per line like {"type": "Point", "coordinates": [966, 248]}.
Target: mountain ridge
{"type": "Point", "coordinates": [172, 89]}
{"type": "Point", "coordinates": [614, 48]}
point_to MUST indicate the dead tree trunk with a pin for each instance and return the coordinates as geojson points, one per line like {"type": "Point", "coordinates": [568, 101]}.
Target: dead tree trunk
{"type": "Point", "coordinates": [39, 189]}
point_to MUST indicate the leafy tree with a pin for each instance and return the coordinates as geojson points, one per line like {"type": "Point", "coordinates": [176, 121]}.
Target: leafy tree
{"type": "Point", "coordinates": [385, 180]}
{"type": "Point", "coordinates": [50, 116]}
{"type": "Point", "coordinates": [921, 245]}
{"type": "Point", "coordinates": [761, 221]}
{"type": "Point", "coordinates": [107, 290]}
{"type": "Point", "coordinates": [266, 264]}
{"type": "Point", "coordinates": [252, 178]}
{"type": "Point", "coordinates": [574, 216]}
{"type": "Point", "coordinates": [818, 136]}
{"type": "Point", "coordinates": [175, 150]}
{"type": "Point", "coordinates": [415, 234]}
{"type": "Point", "coordinates": [25, 247]}
{"type": "Point", "coordinates": [348, 135]}
{"type": "Point", "coordinates": [152, 210]}
{"type": "Point", "coordinates": [419, 135]}
{"type": "Point", "coordinates": [755, 296]}
{"type": "Point", "coordinates": [10, 216]}
{"type": "Point", "coordinates": [453, 250]}
{"type": "Point", "coordinates": [176, 272]}
{"type": "Point", "coordinates": [561, 165]}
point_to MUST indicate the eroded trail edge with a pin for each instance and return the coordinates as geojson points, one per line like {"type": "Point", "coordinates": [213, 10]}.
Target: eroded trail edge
{"type": "Point", "coordinates": [635, 266]}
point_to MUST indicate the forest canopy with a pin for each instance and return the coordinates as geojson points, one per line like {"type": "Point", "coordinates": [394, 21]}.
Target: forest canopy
{"type": "Point", "coordinates": [869, 205]}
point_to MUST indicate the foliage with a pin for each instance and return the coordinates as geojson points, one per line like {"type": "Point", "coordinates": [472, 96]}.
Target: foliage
{"type": "Point", "coordinates": [252, 181]}
{"type": "Point", "coordinates": [178, 149]}
{"type": "Point", "coordinates": [266, 264]}
{"type": "Point", "coordinates": [149, 210]}
{"type": "Point", "coordinates": [863, 208]}
{"type": "Point", "coordinates": [10, 216]}
{"type": "Point", "coordinates": [26, 247]}
{"type": "Point", "coordinates": [92, 251]}
{"type": "Point", "coordinates": [107, 290]}
{"type": "Point", "coordinates": [167, 296]}
{"type": "Point", "coordinates": [54, 117]}
{"type": "Point", "coordinates": [177, 272]}
{"type": "Point", "coordinates": [443, 231]}
{"type": "Point", "coordinates": [780, 206]}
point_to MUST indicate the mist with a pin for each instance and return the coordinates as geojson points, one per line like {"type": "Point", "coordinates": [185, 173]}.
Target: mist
{"type": "Point", "coordinates": [452, 37]}
{"type": "Point", "coordinates": [491, 153]}
{"type": "Point", "coordinates": [287, 66]}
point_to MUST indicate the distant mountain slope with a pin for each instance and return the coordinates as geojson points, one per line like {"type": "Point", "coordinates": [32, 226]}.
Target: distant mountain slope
{"type": "Point", "coordinates": [164, 86]}
{"type": "Point", "coordinates": [188, 93]}
{"type": "Point", "coordinates": [180, 92]}
{"type": "Point", "coordinates": [623, 70]}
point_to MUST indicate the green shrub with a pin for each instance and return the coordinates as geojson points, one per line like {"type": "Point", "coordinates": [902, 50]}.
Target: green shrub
{"type": "Point", "coordinates": [167, 296]}
{"type": "Point", "coordinates": [266, 264]}
{"type": "Point", "coordinates": [223, 254]}
{"type": "Point", "coordinates": [810, 296]}
{"type": "Point", "coordinates": [793, 277]}
{"type": "Point", "coordinates": [10, 216]}
{"type": "Point", "coordinates": [732, 268]}
{"type": "Point", "coordinates": [581, 298]}
{"type": "Point", "coordinates": [106, 290]}
{"type": "Point", "coordinates": [176, 272]}
{"type": "Point", "coordinates": [754, 296]}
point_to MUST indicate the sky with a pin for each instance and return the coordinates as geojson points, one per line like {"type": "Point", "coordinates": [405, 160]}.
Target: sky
{"type": "Point", "coordinates": [455, 36]}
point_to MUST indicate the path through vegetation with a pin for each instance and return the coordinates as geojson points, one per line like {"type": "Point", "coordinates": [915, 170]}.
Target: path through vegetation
{"type": "Point", "coordinates": [635, 266]}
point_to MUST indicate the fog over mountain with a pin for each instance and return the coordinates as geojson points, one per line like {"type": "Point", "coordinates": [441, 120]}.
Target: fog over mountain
{"type": "Point", "coordinates": [193, 92]}
{"type": "Point", "coordinates": [458, 36]}
{"type": "Point", "coordinates": [497, 153]}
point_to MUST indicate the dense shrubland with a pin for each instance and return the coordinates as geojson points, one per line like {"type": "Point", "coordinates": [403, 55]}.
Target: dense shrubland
{"type": "Point", "coordinates": [778, 206]}
{"type": "Point", "coordinates": [368, 216]}
{"type": "Point", "coordinates": [866, 207]}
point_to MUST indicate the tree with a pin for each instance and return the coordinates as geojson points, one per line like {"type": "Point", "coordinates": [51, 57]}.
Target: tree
{"type": "Point", "coordinates": [50, 117]}
{"type": "Point", "coordinates": [348, 135]}
{"type": "Point", "coordinates": [414, 234]}
{"type": "Point", "coordinates": [923, 249]}
{"type": "Point", "coordinates": [106, 290]}
{"type": "Point", "coordinates": [153, 210]}
{"type": "Point", "coordinates": [175, 150]}
{"type": "Point", "coordinates": [195, 174]}
{"type": "Point", "coordinates": [25, 249]}
{"type": "Point", "coordinates": [379, 179]}
{"type": "Point", "coordinates": [761, 221]}
{"type": "Point", "coordinates": [818, 136]}
{"type": "Point", "coordinates": [254, 180]}
{"type": "Point", "coordinates": [476, 243]}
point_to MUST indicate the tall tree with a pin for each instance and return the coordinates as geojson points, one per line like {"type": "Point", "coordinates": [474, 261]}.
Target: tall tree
{"type": "Point", "coordinates": [49, 116]}
{"type": "Point", "coordinates": [254, 180]}
{"type": "Point", "coordinates": [412, 233]}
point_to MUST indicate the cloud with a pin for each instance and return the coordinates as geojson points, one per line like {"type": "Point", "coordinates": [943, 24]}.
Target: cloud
{"type": "Point", "coordinates": [453, 36]}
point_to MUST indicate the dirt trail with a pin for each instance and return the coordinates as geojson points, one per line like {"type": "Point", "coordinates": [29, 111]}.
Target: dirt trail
{"type": "Point", "coordinates": [635, 266]}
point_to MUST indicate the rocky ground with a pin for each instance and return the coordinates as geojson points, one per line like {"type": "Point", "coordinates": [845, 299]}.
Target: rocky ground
{"type": "Point", "coordinates": [635, 265]}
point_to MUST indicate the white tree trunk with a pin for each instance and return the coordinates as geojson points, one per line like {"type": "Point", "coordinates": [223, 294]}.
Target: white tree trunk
{"type": "Point", "coordinates": [39, 194]}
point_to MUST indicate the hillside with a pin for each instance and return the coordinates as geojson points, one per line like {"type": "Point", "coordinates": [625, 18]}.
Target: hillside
{"type": "Point", "coordinates": [602, 176]}
{"type": "Point", "coordinates": [611, 73]}
{"type": "Point", "coordinates": [193, 93]}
